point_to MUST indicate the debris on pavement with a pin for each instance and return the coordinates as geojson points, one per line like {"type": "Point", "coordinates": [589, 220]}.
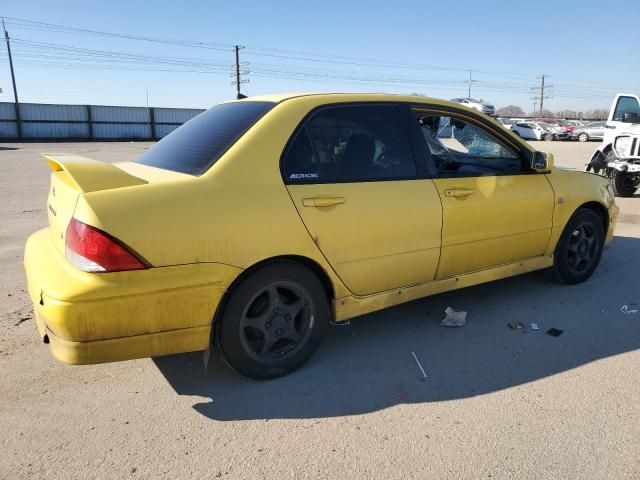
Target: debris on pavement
{"type": "Point", "coordinates": [516, 326]}
{"type": "Point", "coordinates": [630, 309]}
{"type": "Point", "coordinates": [415, 357]}
{"type": "Point", "coordinates": [453, 318]}
{"type": "Point", "coordinates": [535, 326]}
{"type": "Point", "coordinates": [346, 323]}
{"type": "Point", "coordinates": [555, 332]}
{"type": "Point", "coordinates": [22, 320]}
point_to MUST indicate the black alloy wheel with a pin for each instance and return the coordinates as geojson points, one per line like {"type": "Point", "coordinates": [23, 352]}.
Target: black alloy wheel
{"type": "Point", "coordinates": [273, 320]}
{"type": "Point", "coordinates": [580, 247]}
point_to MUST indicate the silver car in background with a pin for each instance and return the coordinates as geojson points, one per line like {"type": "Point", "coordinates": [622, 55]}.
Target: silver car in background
{"type": "Point", "coordinates": [591, 131]}
{"type": "Point", "coordinates": [479, 105]}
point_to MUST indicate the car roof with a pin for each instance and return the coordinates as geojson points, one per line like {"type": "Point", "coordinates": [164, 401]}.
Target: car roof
{"type": "Point", "coordinates": [337, 97]}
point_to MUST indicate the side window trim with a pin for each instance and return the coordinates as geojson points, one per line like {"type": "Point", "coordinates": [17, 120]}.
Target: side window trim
{"type": "Point", "coordinates": [523, 153]}
{"type": "Point", "coordinates": [303, 126]}
{"type": "Point", "coordinates": [422, 155]}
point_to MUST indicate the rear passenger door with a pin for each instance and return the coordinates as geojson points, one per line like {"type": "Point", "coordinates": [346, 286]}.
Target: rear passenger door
{"type": "Point", "coordinates": [353, 176]}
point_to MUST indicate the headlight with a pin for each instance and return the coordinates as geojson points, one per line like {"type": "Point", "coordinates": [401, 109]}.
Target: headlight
{"type": "Point", "coordinates": [622, 146]}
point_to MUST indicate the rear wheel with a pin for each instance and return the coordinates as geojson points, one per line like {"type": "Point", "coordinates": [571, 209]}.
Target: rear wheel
{"type": "Point", "coordinates": [583, 137]}
{"type": "Point", "coordinates": [273, 321]}
{"type": "Point", "coordinates": [580, 247]}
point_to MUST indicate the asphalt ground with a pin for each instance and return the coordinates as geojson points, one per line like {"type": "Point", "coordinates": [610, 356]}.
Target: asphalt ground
{"type": "Point", "coordinates": [498, 403]}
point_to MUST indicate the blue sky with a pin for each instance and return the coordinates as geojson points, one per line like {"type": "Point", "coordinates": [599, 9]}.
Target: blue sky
{"type": "Point", "coordinates": [589, 49]}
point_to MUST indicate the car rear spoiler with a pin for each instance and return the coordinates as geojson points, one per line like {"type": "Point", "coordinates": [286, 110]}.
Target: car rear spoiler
{"type": "Point", "coordinates": [87, 175]}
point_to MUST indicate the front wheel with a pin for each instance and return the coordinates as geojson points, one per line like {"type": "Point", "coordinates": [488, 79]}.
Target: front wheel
{"type": "Point", "coordinates": [548, 137]}
{"type": "Point", "coordinates": [580, 247]}
{"type": "Point", "coordinates": [273, 321]}
{"type": "Point", "coordinates": [624, 184]}
{"type": "Point", "coordinates": [583, 137]}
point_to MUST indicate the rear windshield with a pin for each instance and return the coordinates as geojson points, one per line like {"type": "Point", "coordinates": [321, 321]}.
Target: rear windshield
{"type": "Point", "coordinates": [195, 146]}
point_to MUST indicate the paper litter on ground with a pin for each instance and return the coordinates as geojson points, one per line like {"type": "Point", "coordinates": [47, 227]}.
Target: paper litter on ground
{"type": "Point", "coordinates": [453, 318]}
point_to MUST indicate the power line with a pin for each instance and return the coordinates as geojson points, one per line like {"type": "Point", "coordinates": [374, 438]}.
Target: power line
{"type": "Point", "coordinates": [261, 51]}
{"type": "Point", "coordinates": [52, 55]}
{"type": "Point", "coordinates": [541, 95]}
{"type": "Point", "coordinates": [13, 81]}
{"type": "Point", "coordinates": [469, 82]}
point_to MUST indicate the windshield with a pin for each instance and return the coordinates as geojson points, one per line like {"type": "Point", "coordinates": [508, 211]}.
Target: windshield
{"type": "Point", "coordinates": [195, 146]}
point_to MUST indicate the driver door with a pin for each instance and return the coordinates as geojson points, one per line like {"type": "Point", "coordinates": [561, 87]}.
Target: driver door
{"type": "Point", "coordinates": [495, 209]}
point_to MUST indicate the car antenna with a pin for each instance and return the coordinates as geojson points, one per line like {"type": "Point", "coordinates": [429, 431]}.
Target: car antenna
{"type": "Point", "coordinates": [240, 96]}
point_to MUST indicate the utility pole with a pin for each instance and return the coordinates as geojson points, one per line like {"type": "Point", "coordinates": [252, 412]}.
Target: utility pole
{"type": "Point", "coordinates": [469, 82]}
{"type": "Point", "coordinates": [541, 95]}
{"type": "Point", "coordinates": [239, 72]}
{"type": "Point", "coordinates": [13, 79]}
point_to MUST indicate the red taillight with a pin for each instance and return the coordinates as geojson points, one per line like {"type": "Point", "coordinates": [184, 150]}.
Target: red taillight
{"type": "Point", "coordinates": [91, 250]}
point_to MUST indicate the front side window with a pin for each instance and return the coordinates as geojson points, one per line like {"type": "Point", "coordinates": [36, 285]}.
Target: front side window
{"type": "Point", "coordinates": [349, 144]}
{"type": "Point", "coordinates": [461, 148]}
{"type": "Point", "coordinates": [626, 105]}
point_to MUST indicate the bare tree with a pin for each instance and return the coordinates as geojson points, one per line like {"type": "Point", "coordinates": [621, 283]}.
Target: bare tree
{"type": "Point", "coordinates": [544, 113]}
{"type": "Point", "coordinates": [510, 111]}
{"type": "Point", "coordinates": [596, 114]}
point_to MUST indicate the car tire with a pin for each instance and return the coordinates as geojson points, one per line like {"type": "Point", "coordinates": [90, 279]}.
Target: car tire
{"type": "Point", "coordinates": [547, 137]}
{"type": "Point", "coordinates": [623, 184]}
{"type": "Point", "coordinates": [580, 247]}
{"type": "Point", "coordinates": [583, 137]}
{"type": "Point", "coordinates": [273, 320]}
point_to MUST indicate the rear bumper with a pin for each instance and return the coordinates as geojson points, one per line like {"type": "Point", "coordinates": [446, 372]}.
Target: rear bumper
{"type": "Point", "coordinates": [127, 348]}
{"type": "Point", "coordinates": [103, 317]}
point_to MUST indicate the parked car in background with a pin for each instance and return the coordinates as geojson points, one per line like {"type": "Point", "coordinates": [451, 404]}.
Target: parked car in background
{"type": "Point", "coordinates": [506, 122]}
{"type": "Point", "coordinates": [590, 131]}
{"type": "Point", "coordinates": [476, 104]}
{"type": "Point", "coordinates": [560, 130]}
{"type": "Point", "coordinates": [576, 123]}
{"type": "Point", "coordinates": [533, 130]}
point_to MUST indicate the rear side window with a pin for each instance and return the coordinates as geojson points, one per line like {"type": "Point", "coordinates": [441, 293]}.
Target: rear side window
{"type": "Point", "coordinates": [195, 146]}
{"type": "Point", "coordinates": [349, 144]}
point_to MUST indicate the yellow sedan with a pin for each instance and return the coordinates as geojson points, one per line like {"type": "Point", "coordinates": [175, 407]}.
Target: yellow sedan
{"type": "Point", "coordinates": [258, 222]}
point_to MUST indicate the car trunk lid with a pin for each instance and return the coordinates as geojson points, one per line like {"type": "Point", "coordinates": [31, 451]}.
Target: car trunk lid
{"type": "Point", "coordinates": [72, 176]}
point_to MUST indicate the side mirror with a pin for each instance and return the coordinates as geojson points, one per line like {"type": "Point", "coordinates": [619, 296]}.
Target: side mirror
{"type": "Point", "coordinates": [542, 162]}
{"type": "Point", "coordinates": [631, 117]}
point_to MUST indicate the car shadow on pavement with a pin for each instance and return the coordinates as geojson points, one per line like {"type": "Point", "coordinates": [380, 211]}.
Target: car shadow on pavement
{"type": "Point", "coordinates": [367, 365]}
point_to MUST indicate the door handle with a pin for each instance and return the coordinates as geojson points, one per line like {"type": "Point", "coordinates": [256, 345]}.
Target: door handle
{"type": "Point", "coordinates": [322, 201]}
{"type": "Point", "coordinates": [610, 126]}
{"type": "Point", "coordinates": [458, 192]}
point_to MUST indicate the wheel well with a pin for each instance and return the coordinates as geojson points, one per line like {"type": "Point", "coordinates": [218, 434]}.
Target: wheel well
{"type": "Point", "coordinates": [602, 212]}
{"type": "Point", "coordinates": [307, 262]}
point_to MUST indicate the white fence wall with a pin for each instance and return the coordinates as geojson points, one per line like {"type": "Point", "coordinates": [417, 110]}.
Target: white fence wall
{"type": "Point", "coordinates": [89, 122]}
